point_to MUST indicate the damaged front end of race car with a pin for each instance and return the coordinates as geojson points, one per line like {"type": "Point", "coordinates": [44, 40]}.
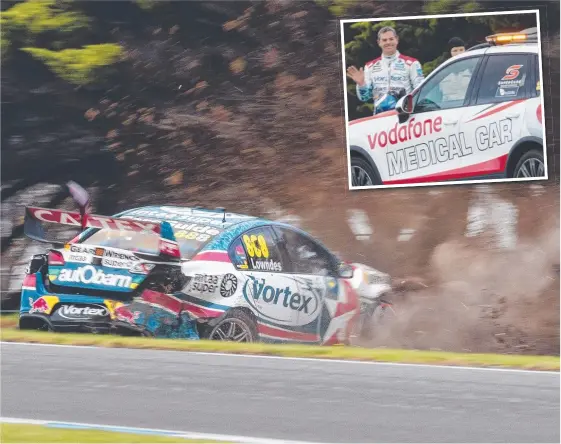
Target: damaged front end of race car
{"type": "Point", "coordinates": [374, 289]}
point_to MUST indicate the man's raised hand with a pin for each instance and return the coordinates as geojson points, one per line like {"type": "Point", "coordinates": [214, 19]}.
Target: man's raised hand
{"type": "Point", "coordinates": [356, 75]}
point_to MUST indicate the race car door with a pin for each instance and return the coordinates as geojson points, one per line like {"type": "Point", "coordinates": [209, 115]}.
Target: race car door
{"type": "Point", "coordinates": [315, 272]}
{"type": "Point", "coordinates": [439, 149]}
{"type": "Point", "coordinates": [267, 288]}
{"type": "Point", "coordinates": [493, 122]}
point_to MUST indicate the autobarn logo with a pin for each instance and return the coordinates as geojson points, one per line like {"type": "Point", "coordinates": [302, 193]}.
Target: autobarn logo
{"type": "Point", "coordinates": [73, 312]}
{"type": "Point", "coordinates": [270, 300]}
{"type": "Point", "coordinates": [91, 275]}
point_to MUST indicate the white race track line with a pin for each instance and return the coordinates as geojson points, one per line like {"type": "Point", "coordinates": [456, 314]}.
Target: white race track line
{"type": "Point", "coordinates": [144, 431]}
{"type": "Point", "coordinates": [323, 360]}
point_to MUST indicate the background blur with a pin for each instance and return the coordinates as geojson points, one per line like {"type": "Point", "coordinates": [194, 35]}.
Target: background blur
{"type": "Point", "coordinates": [426, 40]}
{"type": "Point", "coordinates": [239, 104]}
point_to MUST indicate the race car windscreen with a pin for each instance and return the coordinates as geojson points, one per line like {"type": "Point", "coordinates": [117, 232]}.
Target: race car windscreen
{"type": "Point", "coordinates": [190, 242]}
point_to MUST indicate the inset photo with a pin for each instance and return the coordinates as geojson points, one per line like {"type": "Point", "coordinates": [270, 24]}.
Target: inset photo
{"type": "Point", "coordinates": [444, 99]}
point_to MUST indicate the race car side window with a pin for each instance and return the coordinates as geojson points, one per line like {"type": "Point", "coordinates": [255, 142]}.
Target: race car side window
{"type": "Point", "coordinates": [448, 88]}
{"type": "Point", "coordinates": [306, 256]}
{"type": "Point", "coordinates": [256, 250]}
{"type": "Point", "coordinates": [504, 78]}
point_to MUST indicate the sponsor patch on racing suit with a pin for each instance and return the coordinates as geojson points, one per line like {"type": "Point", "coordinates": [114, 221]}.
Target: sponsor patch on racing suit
{"type": "Point", "coordinates": [386, 73]}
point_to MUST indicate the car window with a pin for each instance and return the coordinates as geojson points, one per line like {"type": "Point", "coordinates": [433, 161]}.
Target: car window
{"type": "Point", "coordinates": [256, 250]}
{"type": "Point", "coordinates": [504, 78]}
{"type": "Point", "coordinates": [448, 88]}
{"type": "Point", "coordinates": [190, 242]}
{"type": "Point", "coordinates": [306, 256]}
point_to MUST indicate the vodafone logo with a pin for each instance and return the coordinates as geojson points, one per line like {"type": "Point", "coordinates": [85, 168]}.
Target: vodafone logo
{"type": "Point", "coordinates": [402, 133]}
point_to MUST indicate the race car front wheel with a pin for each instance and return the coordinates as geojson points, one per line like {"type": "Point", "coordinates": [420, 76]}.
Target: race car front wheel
{"type": "Point", "coordinates": [531, 164]}
{"type": "Point", "coordinates": [362, 173]}
{"type": "Point", "coordinates": [236, 326]}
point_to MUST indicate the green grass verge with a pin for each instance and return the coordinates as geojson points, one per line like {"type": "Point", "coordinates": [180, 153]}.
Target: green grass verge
{"type": "Point", "coordinates": [529, 362]}
{"type": "Point", "coordinates": [27, 433]}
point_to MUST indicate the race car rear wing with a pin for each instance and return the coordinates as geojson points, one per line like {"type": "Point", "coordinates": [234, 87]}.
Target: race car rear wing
{"type": "Point", "coordinates": [35, 217]}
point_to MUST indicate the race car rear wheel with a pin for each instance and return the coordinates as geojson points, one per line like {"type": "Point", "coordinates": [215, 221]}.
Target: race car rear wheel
{"type": "Point", "coordinates": [236, 326]}
{"type": "Point", "coordinates": [531, 164]}
{"type": "Point", "coordinates": [362, 173]}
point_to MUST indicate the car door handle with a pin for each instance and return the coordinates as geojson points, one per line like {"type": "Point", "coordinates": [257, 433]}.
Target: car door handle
{"type": "Point", "coordinates": [450, 122]}
{"type": "Point", "coordinates": [513, 116]}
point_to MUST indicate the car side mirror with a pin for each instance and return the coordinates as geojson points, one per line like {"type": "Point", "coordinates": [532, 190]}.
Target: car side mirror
{"type": "Point", "coordinates": [405, 105]}
{"type": "Point", "coordinates": [345, 271]}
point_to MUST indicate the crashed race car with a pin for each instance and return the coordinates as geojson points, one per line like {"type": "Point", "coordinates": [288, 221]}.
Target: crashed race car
{"type": "Point", "coordinates": [192, 273]}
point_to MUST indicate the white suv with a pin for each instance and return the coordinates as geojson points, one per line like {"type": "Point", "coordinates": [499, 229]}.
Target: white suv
{"type": "Point", "coordinates": [477, 116]}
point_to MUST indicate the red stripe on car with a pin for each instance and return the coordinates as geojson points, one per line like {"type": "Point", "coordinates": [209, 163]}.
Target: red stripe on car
{"type": "Point", "coordinates": [489, 167]}
{"type": "Point", "coordinates": [214, 256]}
{"type": "Point", "coordinates": [285, 334]}
{"type": "Point", "coordinates": [497, 109]}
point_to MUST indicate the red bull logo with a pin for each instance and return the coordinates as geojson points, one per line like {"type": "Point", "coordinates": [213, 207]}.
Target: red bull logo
{"type": "Point", "coordinates": [124, 314]}
{"type": "Point", "coordinates": [44, 304]}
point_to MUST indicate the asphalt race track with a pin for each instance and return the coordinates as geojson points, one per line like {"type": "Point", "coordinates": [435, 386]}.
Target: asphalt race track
{"type": "Point", "coordinates": [272, 398]}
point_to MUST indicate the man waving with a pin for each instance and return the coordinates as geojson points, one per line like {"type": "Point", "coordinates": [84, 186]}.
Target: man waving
{"type": "Point", "coordinates": [387, 74]}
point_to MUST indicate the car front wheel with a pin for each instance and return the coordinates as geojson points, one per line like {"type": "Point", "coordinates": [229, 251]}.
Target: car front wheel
{"type": "Point", "coordinates": [531, 164]}
{"type": "Point", "coordinates": [362, 173]}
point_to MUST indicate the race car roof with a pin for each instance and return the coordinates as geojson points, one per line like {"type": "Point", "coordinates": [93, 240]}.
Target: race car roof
{"type": "Point", "coordinates": [187, 214]}
{"type": "Point", "coordinates": [523, 47]}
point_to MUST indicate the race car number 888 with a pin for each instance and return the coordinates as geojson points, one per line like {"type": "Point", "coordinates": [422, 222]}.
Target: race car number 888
{"type": "Point", "coordinates": [191, 235]}
{"type": "Point", "coordinates": [256, 246]}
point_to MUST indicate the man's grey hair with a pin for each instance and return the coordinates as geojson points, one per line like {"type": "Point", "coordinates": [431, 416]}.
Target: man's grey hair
{"type": "Point", "coordinates": [386, 29]}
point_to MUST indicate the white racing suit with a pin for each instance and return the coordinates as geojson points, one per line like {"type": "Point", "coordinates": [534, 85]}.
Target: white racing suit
{"type": "Point", "coordinates": [386, 73]}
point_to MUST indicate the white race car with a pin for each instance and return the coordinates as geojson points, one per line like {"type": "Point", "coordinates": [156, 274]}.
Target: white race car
{"type": "Point", "coordinates": [477, 116]}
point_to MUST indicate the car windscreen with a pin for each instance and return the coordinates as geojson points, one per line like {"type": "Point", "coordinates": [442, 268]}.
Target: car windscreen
{"type": "Point", "coordinates": [190, 242]}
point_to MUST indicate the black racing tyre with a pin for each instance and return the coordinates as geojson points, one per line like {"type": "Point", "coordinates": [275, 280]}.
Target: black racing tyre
{"type": "Point", "coordinates": [531, 164]}
{"type": "Point", "coordinates": [235, 326]}
{"type": "Point", "coordinates": [362, 173]}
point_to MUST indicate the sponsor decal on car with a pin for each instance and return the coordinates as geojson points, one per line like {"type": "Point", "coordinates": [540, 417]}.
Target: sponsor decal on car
{"type": "Point", "coordinates": [507, 91]}
{"type": "Point", "coordinates": [81, 313]}
{"type": "Point", "coordinates": [81, 258]}
{"type": "Point", "coordinates": [43, 305]}
{"type": "Point", "coordinates": [445, 149]}
{"type": "Point", "coordinates": [123, 313]}
{"type": "Point", "coordinates": [403, 133]}
{"type": "Point", "coordinates": [116, 263]}
{"type": "Point", "coordinates": [512, 72]}
{"type": "Point", "coordinates": [93, 221]}
{"type": "Point", "coordinates": [229, 285]}
{"type": "Point", "coordinates": [91, 275]}
{"type": "Point", "coordinates": [204, 283]}
{"type": "Point", "coordinates": [118, 255]}
{"type": "Point", "coordinates": [257, 290]}
{"type": "Point", "coordinates": [76, 248]}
